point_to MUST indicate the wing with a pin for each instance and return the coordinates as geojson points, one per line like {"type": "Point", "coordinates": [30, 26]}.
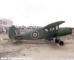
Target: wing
{"type": "Point", "coordinates": [54, 24]}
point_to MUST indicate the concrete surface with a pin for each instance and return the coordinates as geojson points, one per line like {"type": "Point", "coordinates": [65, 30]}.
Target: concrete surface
{"type": "Point", "coordinates": [37, 49]}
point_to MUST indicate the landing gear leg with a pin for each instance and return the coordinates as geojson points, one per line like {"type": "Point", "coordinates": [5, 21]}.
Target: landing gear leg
{"type": "Point", "coordinates": [50, 40]}
{"type": "Point", "coordinates": [60, 42]}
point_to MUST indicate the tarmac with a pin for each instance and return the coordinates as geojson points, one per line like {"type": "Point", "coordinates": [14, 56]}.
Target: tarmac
{"type": "Point", "coordinates": [36, 49]}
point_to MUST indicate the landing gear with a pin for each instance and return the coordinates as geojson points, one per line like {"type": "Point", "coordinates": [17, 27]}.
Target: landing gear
{"type": "Point", "coordinates": [58, 41]}
{"type": "Point", "coordinates": [61, 43]}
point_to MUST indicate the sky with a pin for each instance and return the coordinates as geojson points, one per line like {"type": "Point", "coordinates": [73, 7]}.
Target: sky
{"type": "Point", "coordinates": [38, 12]}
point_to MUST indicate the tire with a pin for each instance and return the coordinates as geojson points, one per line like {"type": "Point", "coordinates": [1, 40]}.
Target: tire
{"type": "Point", "coordinates": [61, 43]}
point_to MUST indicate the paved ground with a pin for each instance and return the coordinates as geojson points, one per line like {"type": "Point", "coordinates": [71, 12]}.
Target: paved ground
{"type": "Point", "coordinates": [37, 49]}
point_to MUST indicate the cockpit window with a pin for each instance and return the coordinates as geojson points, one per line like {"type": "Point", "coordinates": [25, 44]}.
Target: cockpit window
{"type": "Point", "coordinates": [50, 29]}
{"type": "Point", "coordinates": [57, 27]}
{"type": "Point", "coordinates": [53, 28]}
{"type": "Point", "coordinates": [46, 30]}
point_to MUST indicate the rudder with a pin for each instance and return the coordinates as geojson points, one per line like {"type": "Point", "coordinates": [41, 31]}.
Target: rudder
{"type": "Point", "coordinates": [12, 32]}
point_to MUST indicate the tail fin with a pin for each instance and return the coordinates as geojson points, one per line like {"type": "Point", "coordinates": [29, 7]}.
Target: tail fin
{"type": "Point", "coordinates": [12, 32]}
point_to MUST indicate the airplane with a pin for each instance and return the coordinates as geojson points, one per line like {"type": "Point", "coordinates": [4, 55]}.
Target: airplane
{"type": "Point", "coordinates": [48, 32]}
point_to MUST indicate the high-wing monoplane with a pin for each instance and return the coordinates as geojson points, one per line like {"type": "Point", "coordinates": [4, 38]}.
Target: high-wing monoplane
{"type": "Point", "coordinates": [50, 32]}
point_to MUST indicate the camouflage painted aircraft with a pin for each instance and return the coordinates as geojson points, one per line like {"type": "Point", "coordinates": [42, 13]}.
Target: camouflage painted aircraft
{"type": "Point", "coordinates": [49, 32]}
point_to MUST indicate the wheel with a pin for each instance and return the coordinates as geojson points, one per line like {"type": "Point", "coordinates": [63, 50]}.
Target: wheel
{"type": "Point", "coordinates": [61, 43]}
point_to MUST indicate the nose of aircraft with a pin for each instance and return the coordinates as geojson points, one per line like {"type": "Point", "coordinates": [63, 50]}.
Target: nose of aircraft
{"type": "Point", "coordinates": [69, 30]}
{"type": "Point", "coordinates": [65, 31]}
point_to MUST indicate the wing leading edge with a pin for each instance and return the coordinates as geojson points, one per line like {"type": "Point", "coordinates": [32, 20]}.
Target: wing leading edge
{"type": "Point", "coordinates": [54, 24]}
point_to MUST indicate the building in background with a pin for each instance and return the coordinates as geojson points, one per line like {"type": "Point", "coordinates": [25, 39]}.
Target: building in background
{"type": "Point", "coordinates": [5, 24]}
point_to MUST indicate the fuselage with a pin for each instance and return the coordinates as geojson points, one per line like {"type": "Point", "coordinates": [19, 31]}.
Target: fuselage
{"type": "Point", "coordinates": [44, 33]}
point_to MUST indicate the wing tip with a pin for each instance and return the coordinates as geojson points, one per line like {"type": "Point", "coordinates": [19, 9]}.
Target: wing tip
{"type": "Point", "coordinates": [61, 21]}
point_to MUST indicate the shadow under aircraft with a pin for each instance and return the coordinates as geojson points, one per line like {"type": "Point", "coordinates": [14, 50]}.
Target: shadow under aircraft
{"type": "Point", "coordinates": [48, 32]}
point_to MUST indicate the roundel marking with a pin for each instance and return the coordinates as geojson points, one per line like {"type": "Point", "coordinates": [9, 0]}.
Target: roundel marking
{"type": "Point", "coordinates": [35, 34]}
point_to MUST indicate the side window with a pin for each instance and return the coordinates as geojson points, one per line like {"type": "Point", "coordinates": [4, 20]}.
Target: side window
{"type": "Point", "coordinates": [46, 30]}
{"type": "Point", "coordinates": [57, 27]}
{"type": "Point", "coordinates": [52, 29]}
